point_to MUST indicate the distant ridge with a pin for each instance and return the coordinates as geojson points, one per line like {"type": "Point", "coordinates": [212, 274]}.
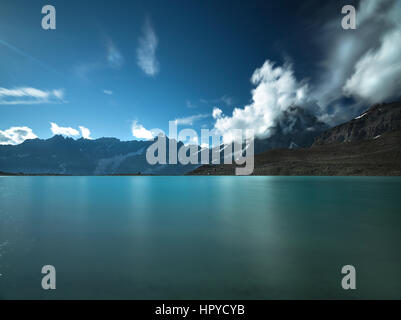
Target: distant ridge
{"type": "Point", "coordinates": [66, 156]}
{"type": "Point", "coordinates": [370, 144]}
{"type": "Point", "coordinates": [61, 155]}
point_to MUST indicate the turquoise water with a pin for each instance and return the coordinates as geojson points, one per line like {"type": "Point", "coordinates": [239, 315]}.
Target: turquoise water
{"type": "Point", "coordinates": [200, 237]}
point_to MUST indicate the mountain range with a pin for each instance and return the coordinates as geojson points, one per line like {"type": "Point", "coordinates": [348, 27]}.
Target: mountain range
{"type": "Point", "coordinates": [370, 144]}
{"type": "Point", "coordinates": [110, 156]}
{"type": "Point", "coordinates": [299, 144]}
{"type": "Point", "coordinates": [63, 155]}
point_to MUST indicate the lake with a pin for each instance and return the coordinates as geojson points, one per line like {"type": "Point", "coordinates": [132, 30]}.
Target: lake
{"type": "Point", "coordinates": [200, 237]}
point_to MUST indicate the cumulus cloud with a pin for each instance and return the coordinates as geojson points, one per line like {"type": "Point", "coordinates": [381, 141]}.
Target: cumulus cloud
{"type": "Point", "coordinates": [70, 132]}
{"type": "Point", "coordinates": [191, 119]}
{"type": "Point", "coordinates": [65, 131]}
{"type": "Point", "coordinates": [217, 113]}
{"type": "Point", "coordinates": [140, 132]}
{"type": "Point", "coordinates": [85, 133]}
{"type": "Point", "coordinates": [276, 90]}
{"type": "Point", "coordinates": [29, 95]}
{"type": "Point", "coordinates": [361, 63]}
{"type": "Point", "coordinates": [364, 64]}
{"type": "Point", "coordinates": [146, 51]}
{"type": "Point", "coordinates": [16, 135]}
{"type": "Point", "coordinates": [377, 75]}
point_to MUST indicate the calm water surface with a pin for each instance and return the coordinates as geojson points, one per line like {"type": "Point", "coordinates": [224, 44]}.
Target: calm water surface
{"type": "Point", "coordinates": [200, 237]}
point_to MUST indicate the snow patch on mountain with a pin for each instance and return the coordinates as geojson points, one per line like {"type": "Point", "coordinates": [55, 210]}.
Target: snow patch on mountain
{"type": "Point", "coordinates": [110, 165]}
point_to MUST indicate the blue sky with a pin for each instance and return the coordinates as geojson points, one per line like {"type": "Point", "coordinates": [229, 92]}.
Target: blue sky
{"type": "Point", "coordinates": [110, 64]}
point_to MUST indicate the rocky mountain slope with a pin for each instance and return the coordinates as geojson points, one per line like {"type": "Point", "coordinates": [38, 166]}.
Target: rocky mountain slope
{"type": "Point", "coordinates": [376, 157]}
{"type": "Point", "coordinates": [367, 145]}
{"type": "Point", "coordinates": [295, 128]}
{"type": "Point", "coordinates": [375, 121]}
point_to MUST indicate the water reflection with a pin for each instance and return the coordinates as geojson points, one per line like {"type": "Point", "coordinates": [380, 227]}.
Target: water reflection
{"type": "Point", "coordinates": [200, 237]}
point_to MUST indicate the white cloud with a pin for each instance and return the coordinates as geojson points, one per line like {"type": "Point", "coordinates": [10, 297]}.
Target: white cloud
{"type": "Point", "coordinates": [108, 92]}
{"type": "Point", "coordinates": [29, 95]}
{"type": "Point", "coordinates": [85, 133]}
{"type": "Point", "coordinates": [377, 74]}
{"type": "Point", "coordinates": [58, 93]}
{"type": "Point", "coordinates": [348, 52]}
{"type": "Point", "coordinates": [191, 119]}
{"type": "Point", "coordinates": [276, 90]}
{"type": "Point", "coordinates": [140, 132]}
{"type": "Point", "coordinates": [217, 113]}
{"type": "Point", "coordinates": [16, 135]}
{"type": "Point", "coordinates": [114, 58]}
{"type": "Point", "coordinates": [65, 131]}
{"type": "Point", "coordinates": [146, 51]}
